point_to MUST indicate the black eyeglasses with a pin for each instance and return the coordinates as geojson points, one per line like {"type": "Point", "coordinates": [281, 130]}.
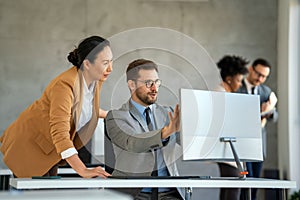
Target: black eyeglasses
{"type": "Point", "coordinates": [259, 74]}
{"type": "Point", "coordinates": [150, 83]}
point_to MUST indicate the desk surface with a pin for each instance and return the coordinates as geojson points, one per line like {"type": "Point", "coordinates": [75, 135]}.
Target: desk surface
{"type": "Point", "coordinates": [63, 183]}
{"type": "Point", "coordinates": [64, 195]}
{"type": "Point", "coordinates": [7, 172]}
{"type": "Point", "coordinates": [61, 170]}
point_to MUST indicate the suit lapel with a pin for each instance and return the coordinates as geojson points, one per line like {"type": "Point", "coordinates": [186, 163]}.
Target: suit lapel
{"type": "Point", "coordinates": [258, 90]}
{"type": "Point", "coordinates": [243, 88]}
{"type": "Point", "coordinates": [159, 117]}
{"type": "Point", "coordinates": [135, 113]}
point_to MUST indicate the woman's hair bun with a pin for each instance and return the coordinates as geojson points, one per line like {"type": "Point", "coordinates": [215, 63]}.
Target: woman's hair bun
{"type": "Point", "coordinates": [73, 57]}
{"type": "Point", "coordinates": [87, 49]}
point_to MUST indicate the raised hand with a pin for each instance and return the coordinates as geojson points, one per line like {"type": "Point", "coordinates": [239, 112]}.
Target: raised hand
{"type": "Point", "coordinates": [174, 124]}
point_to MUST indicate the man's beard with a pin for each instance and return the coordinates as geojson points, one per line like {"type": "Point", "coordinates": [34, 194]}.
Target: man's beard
{"type": "Point", "coordinates": [145, 98]}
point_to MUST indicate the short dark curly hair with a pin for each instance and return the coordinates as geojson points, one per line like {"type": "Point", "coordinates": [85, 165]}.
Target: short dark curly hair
{"type": "Point", "coordinates": [231, 65]}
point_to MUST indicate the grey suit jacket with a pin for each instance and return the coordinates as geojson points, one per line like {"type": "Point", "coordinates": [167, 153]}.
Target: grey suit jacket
{"type": "Point", "coordinates": [264, 93]}
{"type": "Point", "coordinates": [134, 144]}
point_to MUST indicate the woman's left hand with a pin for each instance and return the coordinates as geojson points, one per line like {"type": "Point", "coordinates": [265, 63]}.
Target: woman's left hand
{"type": "Point", "coordinates": [75, 162]}
{"type": "Point", "coordinates": [94, 172]}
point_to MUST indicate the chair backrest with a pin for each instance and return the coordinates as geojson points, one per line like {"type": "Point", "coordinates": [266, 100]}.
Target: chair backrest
{"type": "Point", "coordinates": [109, 155]}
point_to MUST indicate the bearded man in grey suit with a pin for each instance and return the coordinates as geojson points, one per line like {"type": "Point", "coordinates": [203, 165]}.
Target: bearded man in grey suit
{"type": "Point", "coordinates": [145, 140]}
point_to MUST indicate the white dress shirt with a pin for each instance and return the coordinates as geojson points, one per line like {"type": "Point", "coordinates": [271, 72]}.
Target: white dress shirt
{"type": "Point", "coordinates": [250, 86]}
{"type": "Point", "coordinates": [85, 115]}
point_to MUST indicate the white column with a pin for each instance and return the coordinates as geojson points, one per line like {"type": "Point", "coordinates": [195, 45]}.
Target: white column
{"type": "Point", "coordinates": [288, 90]}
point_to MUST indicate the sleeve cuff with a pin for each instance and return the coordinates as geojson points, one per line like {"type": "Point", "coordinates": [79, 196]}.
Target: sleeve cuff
{"type": "Point", "coordinates": [68, 153]}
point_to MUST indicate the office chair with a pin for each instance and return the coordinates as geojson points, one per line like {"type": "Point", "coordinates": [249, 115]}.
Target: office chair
{"type": "Point", "coordinates": [109, 155]}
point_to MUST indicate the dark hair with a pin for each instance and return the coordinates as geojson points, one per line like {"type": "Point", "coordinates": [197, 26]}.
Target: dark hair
{"type": "Point", "coordinates": [261, 61]}
{"type": "Point", "coordinates": [87, 49]}
{"type": "Point", "coordinates": [232, 65]}
{"type": "Point", "coordinates": [135, 66]}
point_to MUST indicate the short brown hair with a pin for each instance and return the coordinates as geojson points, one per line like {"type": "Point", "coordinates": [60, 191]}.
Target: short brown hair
{"type": "Point", "coordinates": [135, 66]}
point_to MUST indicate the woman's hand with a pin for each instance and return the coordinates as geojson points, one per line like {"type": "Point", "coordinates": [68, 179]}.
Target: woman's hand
{"type": "Point", "coordinates": [75, 162]}
{"type": "Point", "coordinates": [94, 172]}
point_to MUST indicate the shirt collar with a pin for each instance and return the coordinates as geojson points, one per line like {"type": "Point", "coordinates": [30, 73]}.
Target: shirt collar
{"type": "Point", "coordinates": [249, 86]}
{"type": "Point", "coordinates": [88, 90]}
{"type": "Point", "coordinates": [140, 107]}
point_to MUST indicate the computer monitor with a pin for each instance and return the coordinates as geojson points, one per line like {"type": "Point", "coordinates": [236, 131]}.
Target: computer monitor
{"type": "Point", "coordinates": [208, 116]}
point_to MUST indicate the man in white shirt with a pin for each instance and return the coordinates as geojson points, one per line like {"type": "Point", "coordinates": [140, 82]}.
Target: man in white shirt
{"type": "Point", "coordinates": [254, 84]}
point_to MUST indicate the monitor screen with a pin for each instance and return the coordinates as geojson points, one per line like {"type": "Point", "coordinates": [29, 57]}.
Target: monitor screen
{"type": "Point", "coordinates": [207, 116]}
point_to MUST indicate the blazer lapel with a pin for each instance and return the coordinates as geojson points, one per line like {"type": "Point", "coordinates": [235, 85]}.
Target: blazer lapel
{"type": "Point", "coordinates": [77, 104]}
{"type": "Point", "coordinates": [78, 95]}
{"type": "Point", "coordinates": [135, 113]}
{"type": "Point", "coordinates": [259, 90]}
{"type": "Point", "coordinates": [87, 131]}
{"type": "Point", "coordinates": [159, 117]}
{"type": "Point", "coordinates": [243, 88]}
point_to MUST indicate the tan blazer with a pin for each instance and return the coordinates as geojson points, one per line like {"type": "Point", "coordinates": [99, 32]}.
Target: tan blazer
{"type": "Point", "coordinates": [32, 144]}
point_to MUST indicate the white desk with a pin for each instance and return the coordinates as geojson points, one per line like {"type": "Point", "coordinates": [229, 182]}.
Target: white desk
{"type": "Point", "coordinates": [5, 174]}
{"type": "Point", "coordinates": [64, 183]}
{"type": "Point", "coordinates": [64, 195]}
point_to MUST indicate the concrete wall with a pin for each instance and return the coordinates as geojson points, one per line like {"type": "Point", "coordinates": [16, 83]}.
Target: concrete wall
{"type": "Point", "coordinates": [36, 36]}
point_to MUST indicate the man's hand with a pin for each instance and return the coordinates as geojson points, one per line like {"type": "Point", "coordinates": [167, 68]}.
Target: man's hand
{"type": "Point", "coordinates": [266, 106]}
{"type": "Point", "coordinates": [269, 105]}
{"type": "Point", "coordinates": [174, 124]}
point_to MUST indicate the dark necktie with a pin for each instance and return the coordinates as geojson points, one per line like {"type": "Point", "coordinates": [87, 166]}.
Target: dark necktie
{"type": "Point", "coordinates": [252, 90]}
{"type": "Point", "coordinates": [154, 173]}
{"type": "Point", "coordinates": [148, 119]}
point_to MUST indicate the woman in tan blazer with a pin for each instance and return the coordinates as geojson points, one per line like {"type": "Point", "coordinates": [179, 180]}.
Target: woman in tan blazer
{"type": "Point", "coordinates": [63, 120]}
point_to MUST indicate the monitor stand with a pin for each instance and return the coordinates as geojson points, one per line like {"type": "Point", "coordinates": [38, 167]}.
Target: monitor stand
{"type": "Point", "coordinates": [242, 172]}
